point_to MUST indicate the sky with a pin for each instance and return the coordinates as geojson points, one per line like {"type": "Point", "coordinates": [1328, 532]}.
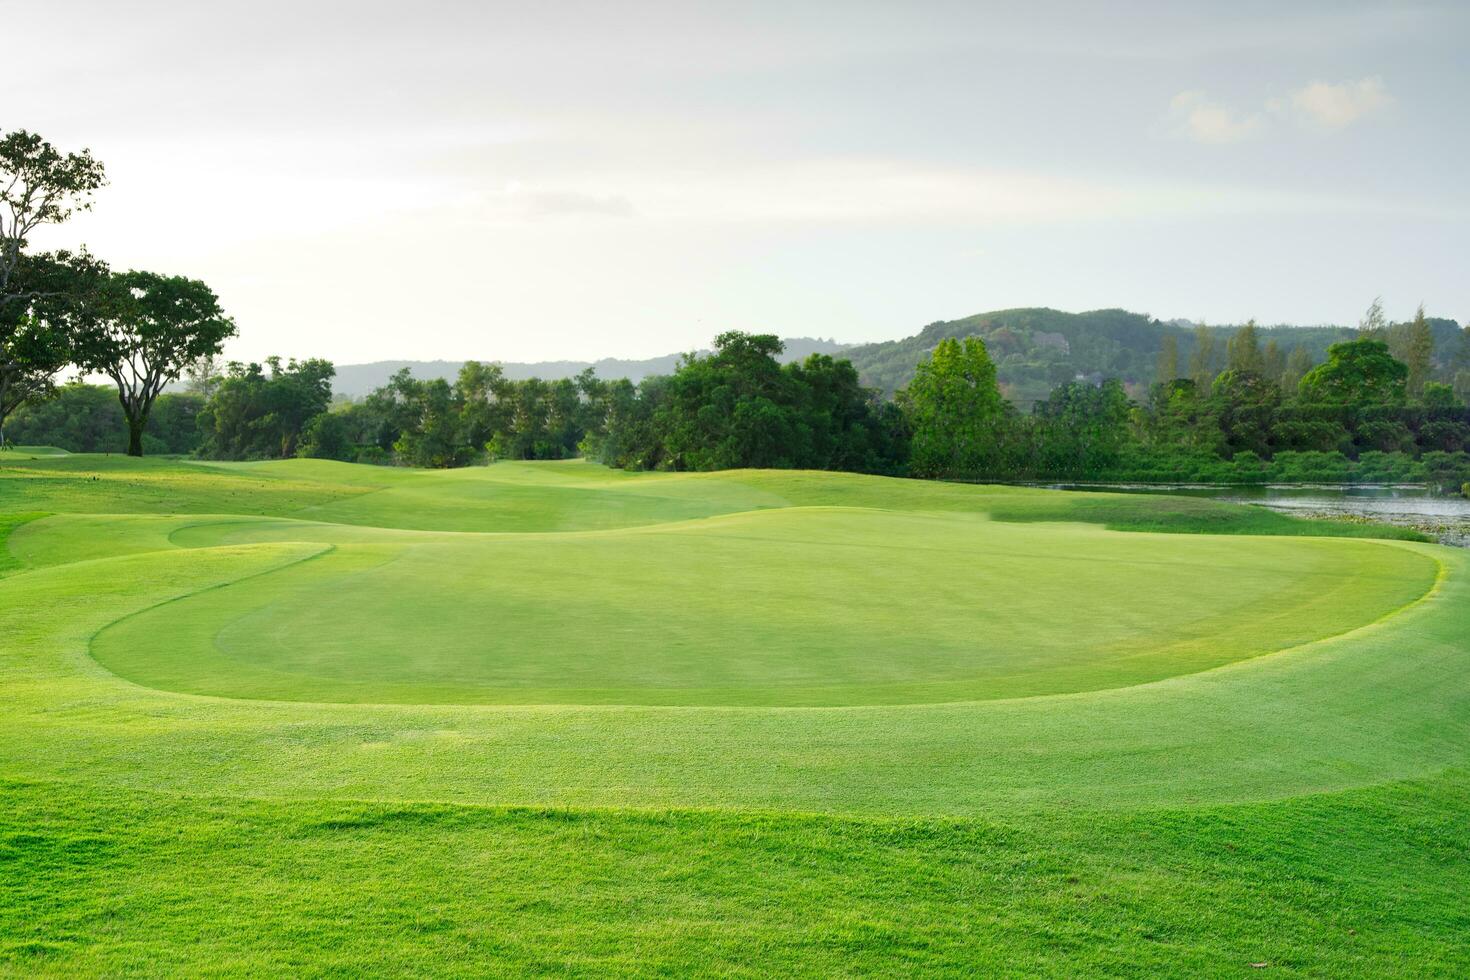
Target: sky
{"type": "Point", "coordinates": [531, 181]}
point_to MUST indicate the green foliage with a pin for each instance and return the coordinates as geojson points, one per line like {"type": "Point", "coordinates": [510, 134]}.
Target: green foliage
{"type": "Point", "coordinates": [1243, 351]}
{"type": "Point", "coordinates": [1436, 394]}
{"type": "Point", "coordinates": [536, 419]}
{"type": "Point", "coordinates": [255, 415]}
{"type": "Point", "coordinates": [1245, 405]}
{"type": "Point", "coordinates": [1202, 359]}
{"type": "Point", "coordinates": [1034, 350]}
{"type": "Point", "coordinates": [435, 424]}
{"type": "Point", "coordinates": [433, 437]}
{"type": "Point", "coordinates": [146, 328]}
{"type": "Point", "coordinates": [42, 309]}
{"type": "Point", "coordinates": [83, 418]}
{"type": "Point", "coordinates": [39, 185]}
{"type": "Point", "coordinates": [1446, 470]}
{"type": "Point", "coordinates": [1273, 362]}
{"type": "Point", "coordinates": [1358, 372]}
{"type": "Point", "coordinates": [1082, 429]}
{"type": "Point", "coordinates": [1168, 366]}
{"type": "Point", "coordinates": [955, 412]}
{"type": "Point", "coordinates": [327, 436]}
{"type": "Point", "coordinates": [1243, 428]}
{"type": "Point", "coordinates": [739, 407]}
{"type": "Point", "coordinates": [1298, 363]}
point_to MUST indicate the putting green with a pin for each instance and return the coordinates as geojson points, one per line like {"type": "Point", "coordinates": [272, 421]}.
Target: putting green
{"type": "Point", "coordinates": [799, 606]}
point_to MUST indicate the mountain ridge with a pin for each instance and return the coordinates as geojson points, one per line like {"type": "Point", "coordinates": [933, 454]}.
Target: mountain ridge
{"type": "Point", "coordinates": [1034, 349]}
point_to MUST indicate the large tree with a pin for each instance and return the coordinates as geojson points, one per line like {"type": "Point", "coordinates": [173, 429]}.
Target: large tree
{"type": "Point", "coordinates": [955, 411]}
{"type": "Point", "coordinates": [146, 329]}
{"type": "Point", "coordinates": [39, 185]}
{"type": "Point", "coordinates": [482, 389]}
{"type": "Point", "coordinates": [1418, 353]}
{"type": "Point", "coordinates": [51, 296]}
{"type": "Point", "coordinates": [1359, 373]}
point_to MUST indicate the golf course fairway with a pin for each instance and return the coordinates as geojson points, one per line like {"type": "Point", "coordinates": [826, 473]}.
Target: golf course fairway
{"type": "Point", "coordinates": [320, 718]}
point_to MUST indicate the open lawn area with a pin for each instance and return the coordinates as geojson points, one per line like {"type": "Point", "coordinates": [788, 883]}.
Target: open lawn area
{"type": "Point", "coordinates": [322, 718]}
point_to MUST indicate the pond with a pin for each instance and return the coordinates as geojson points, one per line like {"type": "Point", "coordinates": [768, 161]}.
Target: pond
{"type": "Point", "coordinates": [1446, 518]}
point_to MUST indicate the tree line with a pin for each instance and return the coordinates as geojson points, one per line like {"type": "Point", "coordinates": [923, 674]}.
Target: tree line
{"type": "Point", "coordinates": [738, 406]}
{"type": "Point", "coordinates": [1384, 405]}
{"type": "Point", "coordinates": [1353, 417]}
{"type": "Point", "coordinates": [1362, 414]}
{"type": "Point", "coordinates": [67, 308]}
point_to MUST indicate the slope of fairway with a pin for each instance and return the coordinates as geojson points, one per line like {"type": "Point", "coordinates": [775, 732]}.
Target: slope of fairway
{"type": "Point", "coordinates": [574, 495]}
{"type": "Point", "coordinates": [820, 606]}
{"type": "Point", "coordinates": [310, 718]}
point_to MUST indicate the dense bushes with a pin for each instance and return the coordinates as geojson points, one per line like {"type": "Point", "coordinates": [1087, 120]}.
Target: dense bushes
{"type": "Point", "coordinates": [257, 415]}
{"type": "Point", "coordinates": [481, 415]}
{"type": "Point", "coordinates": [739, 407]}
{"type": "Point", "coordinates": [83, 418]}
{"type": "Point", "coordinates": [1348, 420]}
{"type": "Point", "coordinates": [1144, 465]}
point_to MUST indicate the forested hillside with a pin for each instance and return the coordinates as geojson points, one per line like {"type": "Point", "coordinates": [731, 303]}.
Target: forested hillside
{"type": "Point", "coordinates": [1035, 349]}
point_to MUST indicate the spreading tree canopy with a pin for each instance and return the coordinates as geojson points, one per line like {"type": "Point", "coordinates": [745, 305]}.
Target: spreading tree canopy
{"type": "Point", "coordinates": [51, 296]}
{"type": "Point", "coordinates": [39, 185]}
{"type": "Point", "coordinates": [144, 331]}
{"type": "Point", "coordinates": [1357, 372]}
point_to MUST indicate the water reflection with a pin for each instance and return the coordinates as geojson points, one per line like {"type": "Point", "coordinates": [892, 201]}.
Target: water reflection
{"type": "Point", "coordinates": [1446, 518]}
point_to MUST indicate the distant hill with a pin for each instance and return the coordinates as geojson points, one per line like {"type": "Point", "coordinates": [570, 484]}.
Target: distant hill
{"type": "Point", "coordinates": [356, 380]}
{"type": "Point", "coordinates": [1035, 348]}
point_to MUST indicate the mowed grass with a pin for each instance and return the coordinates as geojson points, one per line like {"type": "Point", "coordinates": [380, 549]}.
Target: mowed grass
{"type": "Point", "coordinates": [815, 606]}
{"type": "Point", "coordinates": [1364, 883]}
{"type": "Point", "coordinates": [548, 718]}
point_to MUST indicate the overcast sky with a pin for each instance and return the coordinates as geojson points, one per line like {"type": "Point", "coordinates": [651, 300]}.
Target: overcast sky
{"type": "Point", "coordinates": [525, 181]}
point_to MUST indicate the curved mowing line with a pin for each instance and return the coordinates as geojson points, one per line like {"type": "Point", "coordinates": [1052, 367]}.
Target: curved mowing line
{"type": "Point", "coordinates": [91, 640]}
{"type": "Point", "coordinates": [735, 758]}
{"type": "Point", "coordinates": [1435, 587]}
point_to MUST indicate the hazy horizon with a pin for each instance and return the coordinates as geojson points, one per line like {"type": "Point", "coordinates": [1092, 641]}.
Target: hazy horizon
{"type": "Point", "coordinates": [364, 182]}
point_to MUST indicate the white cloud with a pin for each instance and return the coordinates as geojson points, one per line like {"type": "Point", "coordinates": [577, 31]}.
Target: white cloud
{"type": "Point", "coordinates": [1205, 121]}
{"type": "Point", "coordinates": [1336, 106]}
{"type": "Point", "coordinates": [1320, 106]}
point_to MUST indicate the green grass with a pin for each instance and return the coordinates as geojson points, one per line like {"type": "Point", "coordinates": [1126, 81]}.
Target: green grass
{"type": "Point", "coordinates": [312, 718]}
{"type": "Point", "coordinates": [770, 607]}
{"type": "Point", "coordinates": [351, 888]}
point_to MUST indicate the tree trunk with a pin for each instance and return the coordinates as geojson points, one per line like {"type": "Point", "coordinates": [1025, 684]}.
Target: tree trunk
{"type": "Point", "coordinates": [135, 437]}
